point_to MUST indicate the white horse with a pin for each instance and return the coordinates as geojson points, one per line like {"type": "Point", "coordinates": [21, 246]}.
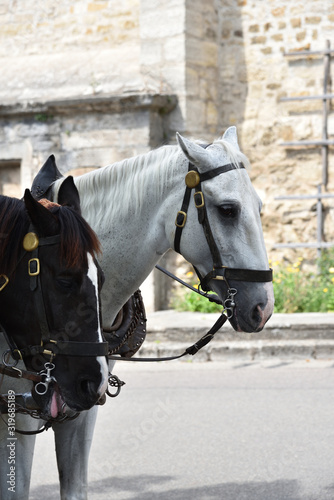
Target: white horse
{"type": "Point", "coordinates": [132, 205]}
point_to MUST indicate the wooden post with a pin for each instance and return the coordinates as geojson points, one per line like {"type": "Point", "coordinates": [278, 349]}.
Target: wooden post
{"type": "Point", "coordinates": [325, 115]}
{"type": "Point", "coordinates": [319, 222]}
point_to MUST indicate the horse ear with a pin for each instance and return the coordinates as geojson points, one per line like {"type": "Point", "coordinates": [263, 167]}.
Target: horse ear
{"type": "Point", "coordinates": [43, 220]}
{"type": "Point", "coordinates": [68, 194]}
{"type": "Point", "coordinates": [47, 175]}
{"type": "Point", "coordinates": [195, 153]}
{"type": "Point", "coordinates": [230, 135]}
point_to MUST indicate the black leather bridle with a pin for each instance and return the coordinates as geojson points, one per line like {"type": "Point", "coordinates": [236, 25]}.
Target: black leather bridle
{"type": "Point", "coordinates": [48, 347]}
{"type": "Point", "coordinates": [193, 180]}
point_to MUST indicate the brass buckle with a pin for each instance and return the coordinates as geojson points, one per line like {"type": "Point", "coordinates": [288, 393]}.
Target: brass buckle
{"type": "Point", "coordinates": [33, 273]}
{"type": "Point", "coordinates": [200, 203]}
{"type": "Point", "coordinates": [6, 281]}
{"type": "Point", "coordinates": [183, 221]}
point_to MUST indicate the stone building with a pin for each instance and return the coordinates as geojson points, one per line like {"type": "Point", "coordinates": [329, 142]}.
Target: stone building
{"type": "Point", "coordinates": [96, 81]}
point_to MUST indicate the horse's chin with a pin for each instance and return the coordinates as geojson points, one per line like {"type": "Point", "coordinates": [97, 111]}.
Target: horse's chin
{"type": "Point", "coordinates": [240, 324]}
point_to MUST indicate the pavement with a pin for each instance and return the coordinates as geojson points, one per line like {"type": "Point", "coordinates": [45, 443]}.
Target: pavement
{"type": "Point", "coordinates": [299, 336]}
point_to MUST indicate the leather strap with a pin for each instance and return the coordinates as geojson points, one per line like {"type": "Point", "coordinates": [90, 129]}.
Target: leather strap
{"type": "Point", "coordinates": [193, 349]}
{"type": "Point", "coordinates": [219, 271]}
{"type": "Point", "coordinates": [18, 373]}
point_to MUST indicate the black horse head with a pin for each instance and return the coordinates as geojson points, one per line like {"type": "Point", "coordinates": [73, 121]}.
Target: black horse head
{"type": "Point", "coordinates": [49, 297]}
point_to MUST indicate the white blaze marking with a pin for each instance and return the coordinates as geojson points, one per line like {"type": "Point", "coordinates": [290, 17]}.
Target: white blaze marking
{"type": "Point", "coordinates": [93, 276]}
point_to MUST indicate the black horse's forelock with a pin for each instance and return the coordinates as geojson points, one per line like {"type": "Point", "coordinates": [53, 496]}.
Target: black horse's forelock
{"type": "Point", "coordinates": [76, 236]}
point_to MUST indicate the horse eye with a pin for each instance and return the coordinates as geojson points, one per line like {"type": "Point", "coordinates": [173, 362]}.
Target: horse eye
{"type": "Point", "coordinates": [228, 211]}
{"type": "Point", "coordinates": [65, 282]}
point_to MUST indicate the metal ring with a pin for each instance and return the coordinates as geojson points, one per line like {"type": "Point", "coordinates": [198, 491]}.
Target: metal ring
{"type": "Point", "coordinates": [45, 388]}
{"type": "Point", "coordinates": [6, 362]}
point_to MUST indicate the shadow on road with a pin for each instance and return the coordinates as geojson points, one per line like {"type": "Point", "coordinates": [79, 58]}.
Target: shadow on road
{"type": "Point", "coordinates": [142, 488]}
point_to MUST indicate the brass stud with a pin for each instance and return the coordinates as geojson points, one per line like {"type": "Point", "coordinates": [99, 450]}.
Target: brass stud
{"type": "Point", "coordinates": [30, 242]}
{"type": "Point", "coordinates": [192, 179]}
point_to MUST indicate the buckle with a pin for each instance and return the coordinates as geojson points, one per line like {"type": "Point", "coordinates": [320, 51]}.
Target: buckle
{"type": "Point", "coordinates": [180, 219]}
{"type": "Point", "coordinates": [199, 199]}
{"type": "Point", "coordinates": [4, 280]}
{"type": "Point", "coordinates": [33, 267]}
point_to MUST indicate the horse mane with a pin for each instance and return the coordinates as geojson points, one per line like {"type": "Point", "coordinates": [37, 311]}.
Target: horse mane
{"type": "Point", "coordinates": [14, 224]}
{"type": "Point", "coordinates": [76, 236]}
{"type": "Point", "coordinates": [142, 174]}
{"type": "Point", "coordinates": [131, 180]}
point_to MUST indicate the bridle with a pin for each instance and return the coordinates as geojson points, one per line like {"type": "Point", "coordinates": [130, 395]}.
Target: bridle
{"type": "Point", "coordinates": [49, 347]}
{"type": "Point", "coordinates": [193, 180]}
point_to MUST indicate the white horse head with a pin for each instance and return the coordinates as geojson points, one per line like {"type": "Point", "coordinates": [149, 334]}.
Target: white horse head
{"type": "Point", "coordinates": [233, 213]}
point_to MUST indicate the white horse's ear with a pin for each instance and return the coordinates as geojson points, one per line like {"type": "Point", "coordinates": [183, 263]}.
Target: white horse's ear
{"type": "Point", "coordinates": [230, 135]}
{"type": "Point", "coordinates": [195, 153]}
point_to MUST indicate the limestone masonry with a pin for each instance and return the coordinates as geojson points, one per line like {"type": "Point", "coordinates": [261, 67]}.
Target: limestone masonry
{"type": "Point", "coordinates": [97, 81]}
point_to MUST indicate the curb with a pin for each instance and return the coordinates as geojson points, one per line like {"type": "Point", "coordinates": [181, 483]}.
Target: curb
{"type": "Point", "coordinates": [286, 336]}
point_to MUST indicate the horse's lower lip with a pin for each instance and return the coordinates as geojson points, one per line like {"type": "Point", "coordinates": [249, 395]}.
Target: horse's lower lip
{"type": "Point", "coordinates": [244, 328]}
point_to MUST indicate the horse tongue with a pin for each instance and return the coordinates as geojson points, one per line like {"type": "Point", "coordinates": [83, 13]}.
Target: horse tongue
{"type": "Point", "coordinates": [56, 404]}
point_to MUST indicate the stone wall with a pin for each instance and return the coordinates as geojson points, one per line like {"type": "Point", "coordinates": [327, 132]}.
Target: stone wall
{"type": "Point", "coordinates": [83, 79]}
{"type": "Point", "coordinates": [254, 75]}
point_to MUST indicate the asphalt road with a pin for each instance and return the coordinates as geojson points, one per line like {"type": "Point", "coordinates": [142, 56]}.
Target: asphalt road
{"type": "Point", "coordinates": [211, 431]}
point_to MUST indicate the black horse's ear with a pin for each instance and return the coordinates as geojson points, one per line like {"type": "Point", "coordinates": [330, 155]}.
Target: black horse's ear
{"type": "Point", "coordinates": [47, 175]}
{"type": "Point", "coordinates": [68, 194]}
{"type": "Point", "coordinates": [44, 221]}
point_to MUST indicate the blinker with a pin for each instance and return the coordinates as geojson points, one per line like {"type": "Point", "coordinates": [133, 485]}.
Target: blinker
{"type": "Point", "coordinates": [192, 179]}
{"type": "Point", "coordinates": [30, 242]}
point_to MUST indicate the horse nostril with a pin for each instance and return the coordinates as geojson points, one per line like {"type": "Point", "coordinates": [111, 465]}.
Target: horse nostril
{"type": "Point", "coordinates": [89, 388]}
{"type": "Point", "coordinates": [257, 314]}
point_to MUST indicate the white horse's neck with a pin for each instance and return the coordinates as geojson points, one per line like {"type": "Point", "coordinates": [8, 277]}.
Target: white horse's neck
{"type": "Point", "coordinates": [126, 203]}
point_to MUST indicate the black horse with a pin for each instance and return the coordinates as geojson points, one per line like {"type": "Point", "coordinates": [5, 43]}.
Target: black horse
{"type": "Point", "coordinates": [52, 349]}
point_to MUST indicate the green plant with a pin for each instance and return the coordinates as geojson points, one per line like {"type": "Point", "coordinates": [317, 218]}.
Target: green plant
{"type": "Point", "coordinates": [191, 301]}
{"type": "Point", "coordinates": [295, 289]}
{"type": "Point", "coordinates": [298, 290]}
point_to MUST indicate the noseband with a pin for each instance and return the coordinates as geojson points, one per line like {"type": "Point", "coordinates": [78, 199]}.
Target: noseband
{"type": "Point", "coordinates": [193, 180]}
{"type": "Point", "coordinates": [48, 347]}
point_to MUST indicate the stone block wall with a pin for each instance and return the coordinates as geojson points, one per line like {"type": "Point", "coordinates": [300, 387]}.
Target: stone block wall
{"type": "Point", "coordinates": [66, 65]}
{"type": "Point", "coordinates": [254, 75]}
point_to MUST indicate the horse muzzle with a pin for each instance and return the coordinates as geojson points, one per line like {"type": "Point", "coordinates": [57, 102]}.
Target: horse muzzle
{"type": "Point", "coordinates": [254, 305]}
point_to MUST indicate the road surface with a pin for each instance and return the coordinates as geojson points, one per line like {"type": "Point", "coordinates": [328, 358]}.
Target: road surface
{"type": "Point", "coordinates": [209, 431]}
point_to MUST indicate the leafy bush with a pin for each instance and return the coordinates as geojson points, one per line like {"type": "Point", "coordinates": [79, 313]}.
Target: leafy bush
{"type": "Point", "coordinates": [295, 289]}
{"type": "Point", "coordinates": [298, 290]}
